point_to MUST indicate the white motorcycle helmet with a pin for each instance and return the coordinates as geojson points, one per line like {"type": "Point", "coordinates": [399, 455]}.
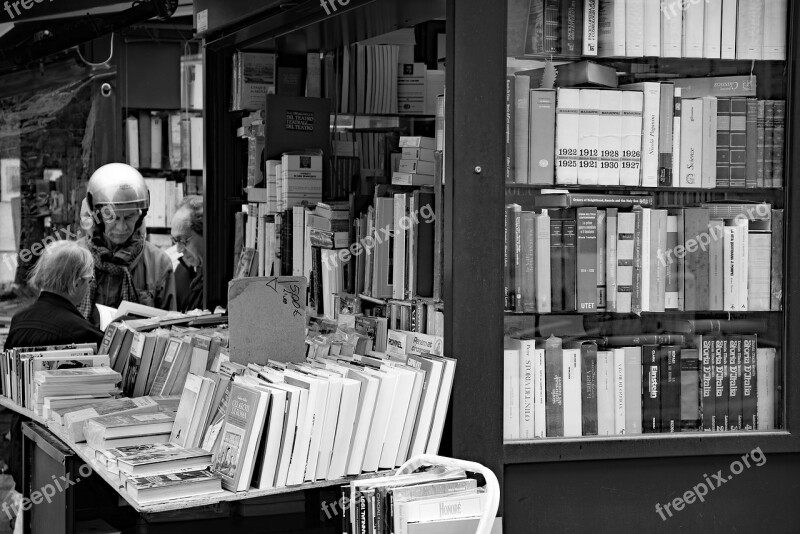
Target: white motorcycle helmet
{"type": "Point", "coordinates": [119, 187]}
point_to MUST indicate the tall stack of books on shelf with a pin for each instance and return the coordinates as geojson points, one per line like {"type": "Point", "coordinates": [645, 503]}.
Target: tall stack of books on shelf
{"type": "Point", "coordinates": [638, 294]}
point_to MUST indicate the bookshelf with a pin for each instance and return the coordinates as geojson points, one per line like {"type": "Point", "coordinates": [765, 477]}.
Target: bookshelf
{"type": "Point", "coordinates": [475, 322]}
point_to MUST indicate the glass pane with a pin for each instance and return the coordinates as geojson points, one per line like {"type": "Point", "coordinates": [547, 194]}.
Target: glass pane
{"type": "Point", "coordinates": [644, 217]}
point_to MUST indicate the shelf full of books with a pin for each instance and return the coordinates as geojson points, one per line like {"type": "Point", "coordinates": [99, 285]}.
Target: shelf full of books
{"type": "Point", "coordinates": [644, 249]}
{"type": "Point", "coordinates": [167, 406]}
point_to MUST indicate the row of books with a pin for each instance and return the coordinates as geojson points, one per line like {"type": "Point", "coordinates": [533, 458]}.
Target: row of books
{"type": "Point", "coordinates": [647, 135]}
{"type": "Point", "coordinates": [712, 29]}
{"type": "Point", "coordinates": [725, 257]}
{"type": "Point", "coordinates": [441, 500]}
{"type": "Point", "coordinates": [164, 140]}
{"type": "Point", "coordinates": [165, 197]}
{"type": "Point", "coordinates": [553, 389]}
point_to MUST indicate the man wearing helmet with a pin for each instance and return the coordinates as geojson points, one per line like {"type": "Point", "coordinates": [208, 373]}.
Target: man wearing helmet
{"type": "Point", "coordinates": [126, 265]}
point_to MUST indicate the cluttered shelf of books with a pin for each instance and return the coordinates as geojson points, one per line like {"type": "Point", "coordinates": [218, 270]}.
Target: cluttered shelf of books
{"type": "Point", "coordinates": [162, 398]}
{"type": "Point", "coordinates": [644, 220]}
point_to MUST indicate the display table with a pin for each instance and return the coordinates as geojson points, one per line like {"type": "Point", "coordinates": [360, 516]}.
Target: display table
{"type": "Point", "coordinates": [185, 508]}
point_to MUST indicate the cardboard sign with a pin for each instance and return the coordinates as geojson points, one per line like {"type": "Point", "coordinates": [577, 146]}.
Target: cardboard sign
{"type": "Point", "coordinates": [267, 319]}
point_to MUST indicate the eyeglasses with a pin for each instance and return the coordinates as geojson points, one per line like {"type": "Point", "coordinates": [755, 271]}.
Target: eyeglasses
{"type": "Point", "coordinates": [183, 241]}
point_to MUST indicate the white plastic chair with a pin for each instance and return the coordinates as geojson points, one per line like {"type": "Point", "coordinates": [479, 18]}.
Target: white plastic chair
{"type": "Point", "coordinates": [492, 486]}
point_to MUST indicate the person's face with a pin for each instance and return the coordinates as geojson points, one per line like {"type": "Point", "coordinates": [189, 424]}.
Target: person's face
{"type": "Point", "coordinates": [81, 287]}
{"type": "Point", "coordinates": [119, 224]}
{"type": "Point", "coordinates": [189, 242]}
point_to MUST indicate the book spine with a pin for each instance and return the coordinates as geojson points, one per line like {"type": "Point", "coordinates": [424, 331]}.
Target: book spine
{"type": "Point", "coordinates": [511, 243]}
{"type": "Point", "coordinates": [658, 266]}
{"type": "Point", "coordinates": [778, 142]}
{"type": "Point", "coordinates": [556, 268]}
{"type": "Point", "coordinates": [522, 85]}
{"type": "Point", "coordinates": [671, 30]}
{"type": "Point", "coordinates": [600, 260]}
{"type": "Point", "coordinates": [588, 137]}
{"type": "Point", "coordinates": [765, 388]}
{"type": "Point", "coordinates": [696, 223]}
{"type": "Point", "coordinates": [708, 178]}
{"type": "Point", "coordinates": [539, 394]}
{"type": "Point", "coordinates": [511, 381]}
{"type": "Point", "coordinates": [721, 382]}
{"type": "Point", "coordinates": [638, 281]}
{"type": "Point", "coordinates": [671, 282]}
{"type": "Point", "coordinates": [542, 258]}
{"type": "Point", "coordinates": [716, 265]}
{"type": "Point", "coordinates": [776, 262]}
{"type": "Point", "coordinates": [534, 34]}
{"type": "Point", "coordinates": [567, 136]}
{"type": "Point", "coordinates": [671, 388]}
{"type": "Point", "coordinates": [650, 142]}
{"type": "Point", "coordinates": [510, 174]}
{"type": "Point", "coordinates": [690, 390]}
{"type": "Point", "coordinates": [758, 271]}
{"type": "Point", "coordinates": [774, 36]}
{"type": "Point", "coordinates": [527, 238]}
{"type": "Point", "coordinates": [665, 125]}
{"type": "Point", "coordinates": [554, 383]}
{"type": "Point", "coordinates": [586, 260]}
{"type": "Point", "coordinates": [691, 142]}
{"type": "Point", "coordinates": [626, 231]}
{"type": "Point", "coordinates": [634, 28]}
{"type": "Point", "coordinates": [571, 27]}
{"type": "Point", "coordinates": [735, 265]}
{"type": "Point", "coordinates": [632, 357]}
{"type": "Point", "coordinates": [651, 29]}
{"type": "Point", "coordinates": [651, 389]}
{"type": "Point", "coordinates": [723, 142]}
{"type": "Point", "coordinates": [712, 35]}
{"type": "Point", "coordinates": [760, 140]}
{"type": "Point", "coordinates": [620, 391]}
{"type": "Point", "coordinates": [610, 140]}
{"type": "Point", "coordinates": [769, 140]}
{"type": "Point", "coordinates": [590, 27]}
{"type": "Point", "coordinates": [693, 26]}
{"type": "Point", "coordinates": [631, 135]}
{"type": "Point", "coordinates": [738, 142]}
{"type": "Point", "coordinates": [681, 259]}
{"type": "Point", "coordinates": [611, 29]}
{"type": "Point", "coordinates": [728, 30]}
{"type": "Point", "coordinates": [605, 393]}
{"type": "Point", "coordinates": [589, 389]}
{"type": "Point", "coordinates": [526, 378]}
{"type": "Point", "coordinates": [611, 259]}
{"type": "Point", "coordinates": [542, 145]}
{"type": "Point", "coordinates": [708, 389]}
{"type": "Point", "coordinates": [749, 386]}
{"type": "Point", "coordinates": [572, 392]}
{"type": "Point", "coordinates": [552, 27]}
{"type": "Point", "coordinates": [676, 137]}
{"type": "Point", "coordinates": [570, 263]}
{"type": "Point", "coordinates": [735, 416]}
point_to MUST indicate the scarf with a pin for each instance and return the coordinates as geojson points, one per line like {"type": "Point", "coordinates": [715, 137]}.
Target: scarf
{"type": "Point", "coordinates": [115, 263]}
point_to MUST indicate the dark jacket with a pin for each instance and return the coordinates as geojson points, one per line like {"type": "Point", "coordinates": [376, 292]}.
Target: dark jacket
{"type": "Point", "coordinates": [51, 320]}
{"type": "Point", "coordinates": [189, 287]}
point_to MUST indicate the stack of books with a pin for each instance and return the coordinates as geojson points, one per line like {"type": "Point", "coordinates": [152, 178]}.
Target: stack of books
{"type": "Point", "coordinates": [253, 77]}
{"type": "Point", "coordinates": [109, 431]}
{"type": "Point", "coordinates": [416, 166]}
{"type": "Point", "coordinates": [74, 417]}
{"type": "Point", "coordinates": [64, 382]}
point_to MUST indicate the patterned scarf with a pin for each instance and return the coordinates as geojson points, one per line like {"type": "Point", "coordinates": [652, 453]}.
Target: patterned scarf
{"type": "Point", "coordinates": [115, 263]}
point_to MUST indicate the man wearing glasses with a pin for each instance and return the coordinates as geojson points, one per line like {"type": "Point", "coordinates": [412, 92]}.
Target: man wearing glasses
{"type": "Point", "coordinates": [187, 235]}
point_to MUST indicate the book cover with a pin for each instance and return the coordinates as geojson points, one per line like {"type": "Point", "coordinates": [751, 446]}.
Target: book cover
{"type": "Point", "coordinates": [542, 145]}
{"type": "Point", "coordinates": [691, 142]}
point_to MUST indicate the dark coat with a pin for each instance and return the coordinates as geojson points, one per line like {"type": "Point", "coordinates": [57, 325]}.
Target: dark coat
{"type": "Point", "coordinates": [189, 287]}
{"type": "Point", "coordinates": [51, 320]}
